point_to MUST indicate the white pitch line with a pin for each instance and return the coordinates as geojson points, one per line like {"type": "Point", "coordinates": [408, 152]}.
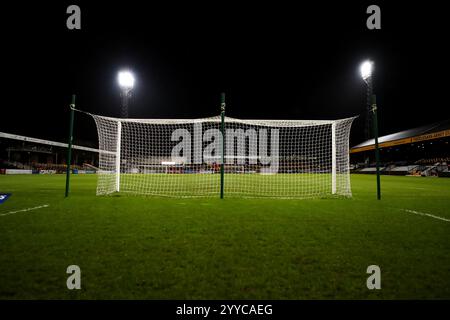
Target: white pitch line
{"type": "Point", "coordinates": [24, 210]}
{"type": "Point", "coordinates": [427, 214]}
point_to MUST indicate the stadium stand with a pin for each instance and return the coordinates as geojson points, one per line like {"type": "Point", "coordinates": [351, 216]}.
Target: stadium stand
{"type": "Point", "coordinates": [41, 156]}
{"type": "Point", "coordinates": [421, 151]}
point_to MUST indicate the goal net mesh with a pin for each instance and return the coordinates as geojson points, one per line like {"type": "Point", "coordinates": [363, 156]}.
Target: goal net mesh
{"type": "Point", "coordinates": [262, 158]}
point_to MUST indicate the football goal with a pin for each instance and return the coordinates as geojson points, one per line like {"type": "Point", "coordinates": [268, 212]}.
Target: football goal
{"type": "Point", "coordinates": [240, 158]}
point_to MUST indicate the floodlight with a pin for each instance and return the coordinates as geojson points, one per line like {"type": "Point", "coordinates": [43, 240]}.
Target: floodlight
{"type": "Point", "coordinates": [366, 69]}
{"type": "Point", "coordinates": [126, 79]}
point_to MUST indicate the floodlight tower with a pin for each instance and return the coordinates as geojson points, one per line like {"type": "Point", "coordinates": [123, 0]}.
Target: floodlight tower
{"type": "Point", "coordinates": [367, 75]}
{"type": "Point", "coordinates": [126, 83]}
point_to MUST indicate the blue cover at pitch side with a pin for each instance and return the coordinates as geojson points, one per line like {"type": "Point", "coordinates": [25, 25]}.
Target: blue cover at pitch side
{"type": "Point", "coordinates": [4, 197]}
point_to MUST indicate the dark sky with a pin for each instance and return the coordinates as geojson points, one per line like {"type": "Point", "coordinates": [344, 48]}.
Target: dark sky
{"type": "Point", "coordinates": [274, 59]}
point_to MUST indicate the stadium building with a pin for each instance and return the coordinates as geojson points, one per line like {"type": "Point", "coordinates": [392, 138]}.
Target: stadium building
{"type": "Point", "coordinates": [420, 151]}
{"type": "Point", "coordinates": [22, 155]}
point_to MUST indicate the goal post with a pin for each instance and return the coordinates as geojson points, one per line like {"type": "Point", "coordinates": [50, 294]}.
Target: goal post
{"type": "Point", "coordinates": [118, 147]}
{"type": "Point", "coordinates": [333, 158]}
{"type": "Point", "coordinates": [259, 158]}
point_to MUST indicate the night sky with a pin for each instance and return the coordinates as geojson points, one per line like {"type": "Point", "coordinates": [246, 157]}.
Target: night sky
{"type": "Point", "coordinates": [274, 59]}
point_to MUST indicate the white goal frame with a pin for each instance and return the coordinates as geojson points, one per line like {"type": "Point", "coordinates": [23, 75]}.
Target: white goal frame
{"type": "Point", "coordinates": [116, 172]}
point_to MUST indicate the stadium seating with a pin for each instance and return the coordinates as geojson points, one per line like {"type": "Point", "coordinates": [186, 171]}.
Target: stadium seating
{"type": "Point", "coordinates": [424, 167]}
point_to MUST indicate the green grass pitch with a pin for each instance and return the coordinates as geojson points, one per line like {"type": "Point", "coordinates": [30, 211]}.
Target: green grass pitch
{"type": "Point", "coordinates": [133, 247]}
{"type": "Point", "coordinates": [285, 186]}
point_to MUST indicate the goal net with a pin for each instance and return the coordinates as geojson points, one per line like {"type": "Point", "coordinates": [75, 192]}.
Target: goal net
{"type": "Point", "coordinates": [261, 158]}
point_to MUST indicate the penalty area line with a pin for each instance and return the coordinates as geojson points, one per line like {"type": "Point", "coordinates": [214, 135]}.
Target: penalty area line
{"type": "Point", "coordinates": [426, 214]}
{"type": "Point", "coordinates": [24, 210]}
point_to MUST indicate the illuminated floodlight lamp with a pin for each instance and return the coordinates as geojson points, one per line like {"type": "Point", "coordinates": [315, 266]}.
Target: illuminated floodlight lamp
{"type": "Point", "coordinates": [126, 80]}
{"type": "Point", "coordinates": [366, 69]}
